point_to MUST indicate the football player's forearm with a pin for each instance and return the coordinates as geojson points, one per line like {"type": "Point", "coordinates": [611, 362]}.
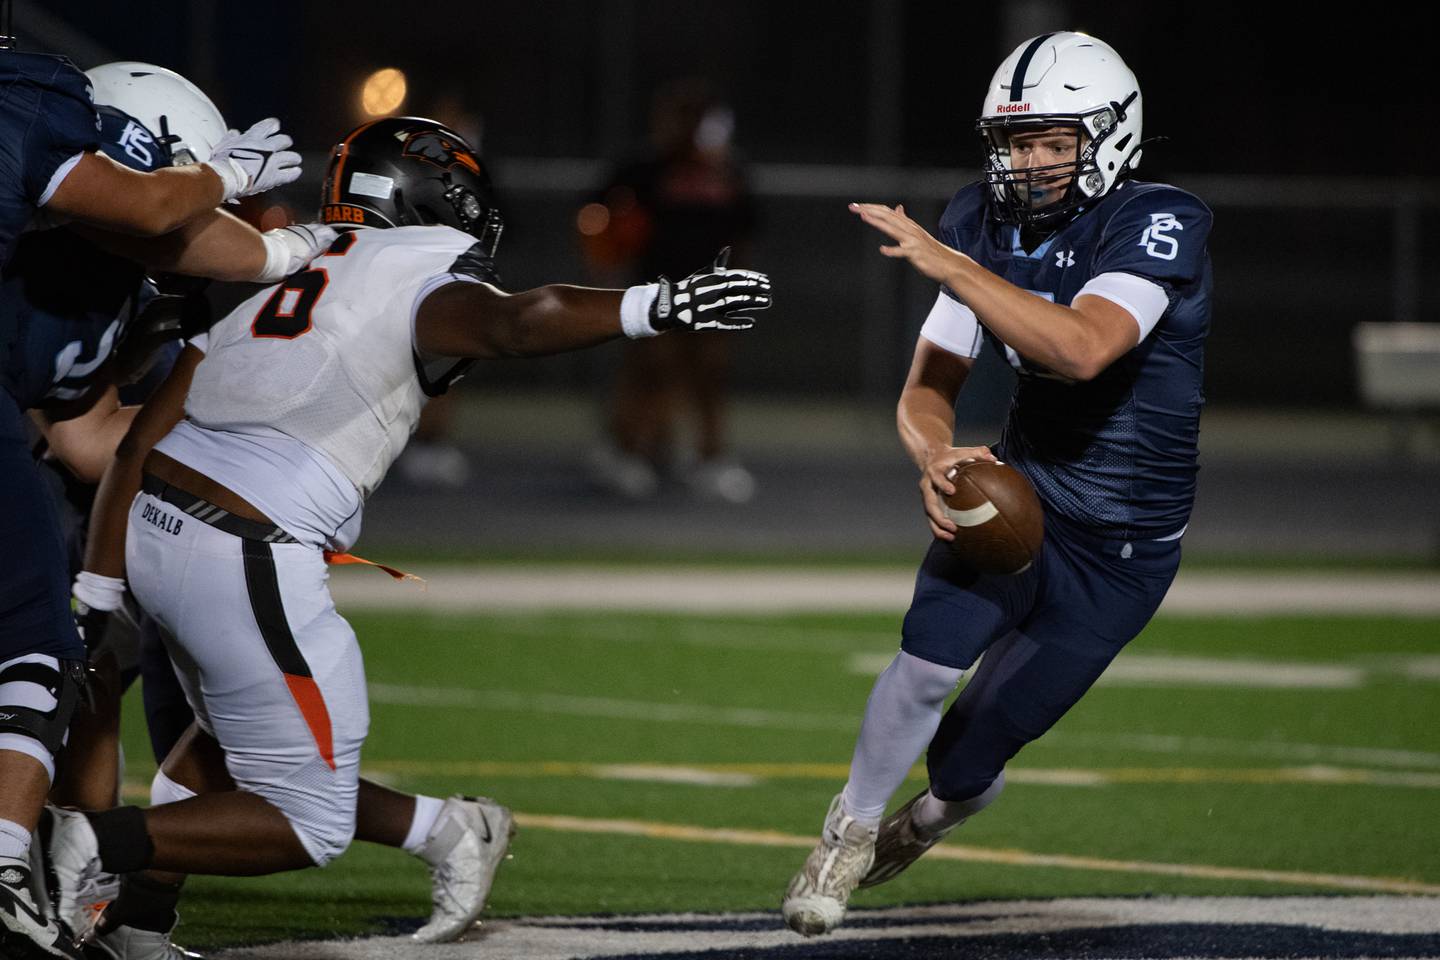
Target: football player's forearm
{"type": "Point", "coordinates": [478, 320]}
{"type": "Point", "coordinates": [105, 548]}
{"type": "Point", "coordinates": [214, 245]}
{"type": "Point", "coordinates": [1045, 332]}
{"type": "Point", "coordinates": [559, 317]}
{"type": "Point", "coordinates": [926, 422]}
{"type": "Point", "coordinates": [103, 193]}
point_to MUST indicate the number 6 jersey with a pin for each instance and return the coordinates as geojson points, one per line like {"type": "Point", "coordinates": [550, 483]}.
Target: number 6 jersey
{"type": "Point", "coordinates": [327, 360]}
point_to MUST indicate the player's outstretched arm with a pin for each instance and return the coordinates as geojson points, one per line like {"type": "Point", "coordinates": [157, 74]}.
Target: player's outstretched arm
{"type": "Point", "coordinates": [478, 320]}
{"type": "Point", "coordinates": [925, 417]}
{"type": "Point", "coordinates": [107, 194]}
{"type": "Point", "coordinates": [221, 247]}
{"type": "Point", "coordinates": [1077, 341]}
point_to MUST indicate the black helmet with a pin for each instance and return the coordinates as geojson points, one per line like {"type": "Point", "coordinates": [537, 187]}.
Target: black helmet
{"type": "Point", "coordinates": [409, 171]}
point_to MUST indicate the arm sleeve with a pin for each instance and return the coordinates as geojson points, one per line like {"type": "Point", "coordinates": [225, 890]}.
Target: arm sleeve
{"type": "Point", "coordinates": [1145, 300]}
{"type": "Point", "coordinates": [953, 327]}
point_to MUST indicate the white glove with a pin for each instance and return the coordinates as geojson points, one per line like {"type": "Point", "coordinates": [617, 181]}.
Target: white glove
{"type": "Point", "coordinates": [288, 249]}
{"type": "Point", "coordinates": [257, 160]}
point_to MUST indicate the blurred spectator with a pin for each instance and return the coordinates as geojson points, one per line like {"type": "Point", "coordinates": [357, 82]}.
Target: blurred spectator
{"type": "Point", "coordinates": [669, 213]}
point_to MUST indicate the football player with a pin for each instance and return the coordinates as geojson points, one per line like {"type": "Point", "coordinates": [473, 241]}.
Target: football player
{"type": "Point", "coordinates": [51, 161]}
{"type": "Point", "coordinates": [272, 430]}
{"type": "Point", "coordinates": [77, 406]}
{"type": "Point", "coordinates": [1096, 287]}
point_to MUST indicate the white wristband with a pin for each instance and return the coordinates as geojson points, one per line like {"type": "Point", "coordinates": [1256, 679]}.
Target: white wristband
{"type": "Point", "coordinates": [98, 592]}
{"type": "Point", "coordinates": [232, 177]}
{"type": "Point", "coordinates": [635, 311]}
{"type": "Point", "coordinates": [277, 258]}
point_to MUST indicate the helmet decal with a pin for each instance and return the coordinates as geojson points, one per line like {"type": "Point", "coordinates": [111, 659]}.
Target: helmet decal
{"type": "Point", "coordinates": [1017, 83]}
{"type": "Point", "coordinates": [440, 150]}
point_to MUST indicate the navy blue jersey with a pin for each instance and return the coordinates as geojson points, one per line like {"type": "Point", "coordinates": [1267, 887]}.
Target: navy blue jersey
{"type": "Point", "coordinates": [46, 118]}
{"type": "Point", "coordinates": [1116, 454]}
{"type": "Point", "coordinates": [64, 301]}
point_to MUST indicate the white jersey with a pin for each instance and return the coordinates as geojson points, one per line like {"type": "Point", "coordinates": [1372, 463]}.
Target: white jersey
{"type": "Point", "coordinates": [328, 357]}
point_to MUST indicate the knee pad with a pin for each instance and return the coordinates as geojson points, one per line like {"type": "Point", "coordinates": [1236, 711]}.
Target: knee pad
{"type": "Point", "coordinates": [165, 790]}
{"type": "Point", "coordinates": [38, 696]}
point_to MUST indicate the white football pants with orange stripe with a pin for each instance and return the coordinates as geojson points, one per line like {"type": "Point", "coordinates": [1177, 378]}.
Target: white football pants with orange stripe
{"type": "Point", "coordinates": [272, 671]}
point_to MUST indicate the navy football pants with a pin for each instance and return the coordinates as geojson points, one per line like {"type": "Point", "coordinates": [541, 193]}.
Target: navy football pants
{"type": "Point", "coordinates": [1047, 635]}
{"type": "Point", "coordinates": [35, 612]}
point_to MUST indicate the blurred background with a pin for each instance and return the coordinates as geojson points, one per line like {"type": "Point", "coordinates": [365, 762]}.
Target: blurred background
{"type": "Point", "coordinates": [1313, 142]}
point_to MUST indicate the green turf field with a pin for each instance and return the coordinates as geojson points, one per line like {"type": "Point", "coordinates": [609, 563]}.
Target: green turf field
{"type": "Point", "coordinates": [1333, 768]}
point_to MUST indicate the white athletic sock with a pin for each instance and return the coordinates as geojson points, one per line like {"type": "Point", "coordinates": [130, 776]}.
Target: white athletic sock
{"type": "Point", "coordinates": [933, 815]}
{"type": "Point", "coordinates": [14, 840]}
{"type": "Point", "coordinates": [900, 718]}
{"type": "Point", "coordinates": [427, 811]}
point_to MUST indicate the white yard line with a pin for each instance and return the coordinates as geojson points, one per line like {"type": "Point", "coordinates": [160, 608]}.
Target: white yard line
{"type": "Point", "coordinates": [462, 589]}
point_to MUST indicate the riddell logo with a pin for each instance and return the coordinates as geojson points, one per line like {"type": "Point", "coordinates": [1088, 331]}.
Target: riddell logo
{"type": "Point", "coordinates": [1012, 108]}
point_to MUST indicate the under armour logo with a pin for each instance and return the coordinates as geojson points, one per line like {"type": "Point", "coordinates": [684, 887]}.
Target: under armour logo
{"type": "Point", "coordinates": [1065, 258]}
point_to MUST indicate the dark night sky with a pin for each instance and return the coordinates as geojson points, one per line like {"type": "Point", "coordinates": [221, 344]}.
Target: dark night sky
{"type": "Point", "coordinates": [1234, 91]}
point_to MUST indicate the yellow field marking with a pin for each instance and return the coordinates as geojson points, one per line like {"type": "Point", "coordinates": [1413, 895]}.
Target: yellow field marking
{"type": "Point", "coordinates": [1015, 858]}
{"type": "Point", "coordinates": [744, 774]}
{"type": "Point", "coordinates": [948, 851]}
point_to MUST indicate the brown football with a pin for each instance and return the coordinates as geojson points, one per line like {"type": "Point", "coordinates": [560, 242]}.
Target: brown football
{"type": "Point", "coordinates": [1000, 520]}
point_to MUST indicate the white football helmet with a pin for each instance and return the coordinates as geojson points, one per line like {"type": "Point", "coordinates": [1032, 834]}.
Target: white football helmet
{"type": "Point", "coordinates": [176, 111]}
{"type": "Point", "coordinates": [1060, 80]}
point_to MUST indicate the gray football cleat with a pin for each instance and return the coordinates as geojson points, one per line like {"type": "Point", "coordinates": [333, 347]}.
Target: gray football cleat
{"type": "Point", "coordinates": [899, 844]}
{"type": "Point", "coordinates": [26, 933]}
{"type": "Point", "coordinates": [815, 900]}
{"type": "Point", "coordinates": [464, 849]}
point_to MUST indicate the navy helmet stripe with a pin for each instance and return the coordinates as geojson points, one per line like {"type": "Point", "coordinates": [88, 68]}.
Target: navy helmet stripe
{"type": "Point", "coordinates": [1017, 82]}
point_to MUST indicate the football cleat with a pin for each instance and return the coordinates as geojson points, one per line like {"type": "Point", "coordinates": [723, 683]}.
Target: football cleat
{"type": "Point", "coordinates": [899, 844]}
{"type": "Point", "coordinates": [815, 900]}
{"type": "Point", "coordinates": [131, 943]}
{"type": "Point", "coordinates": [464, 849]}
{"type": "Point", "coordinates": [26, 933]}
{"type": "Point", "coordinates": [76, 884]}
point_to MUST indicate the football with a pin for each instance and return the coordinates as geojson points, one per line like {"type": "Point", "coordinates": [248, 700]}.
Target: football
{"type": "Point", "coordinates": [1000, 520]}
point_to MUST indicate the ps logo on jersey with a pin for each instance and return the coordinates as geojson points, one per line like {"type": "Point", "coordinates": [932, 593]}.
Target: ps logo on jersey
{"type": "Point", "coordinates": [440, 150]}
{"type": "Point", "coordinates": [1064, 258]}
{"type": "Point", "coordinates": [1154, 239]}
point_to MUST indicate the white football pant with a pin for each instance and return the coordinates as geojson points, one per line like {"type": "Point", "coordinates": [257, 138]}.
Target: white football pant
{"type": "Point", "coordinates": [272, 671]}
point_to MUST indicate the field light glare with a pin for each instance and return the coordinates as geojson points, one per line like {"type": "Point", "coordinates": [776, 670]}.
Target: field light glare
{"type": "Point", "coordinates": [383, 92]}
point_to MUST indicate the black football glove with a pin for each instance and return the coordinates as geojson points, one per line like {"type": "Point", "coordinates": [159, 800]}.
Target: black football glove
{"type": "Point", "coordinates": [716, 298]}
